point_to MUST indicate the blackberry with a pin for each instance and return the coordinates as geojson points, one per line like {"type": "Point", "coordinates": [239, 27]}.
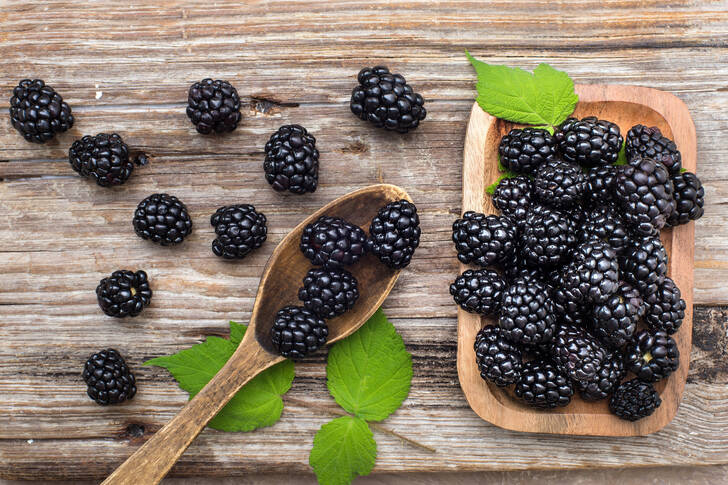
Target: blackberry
{"type": "Point", "coordinates": [665, 309]}
{"type": "Point", "coordinates": [576, 353]}
{"type": "Point", "coordinates": [513, 197]}
{"type": "Point", "coordinates": [482, 239]}
{"type": "Point", "coordinates": [649, 142]}
{"type": "Point", "coordinates": [593, 274]}
{"type": "Point", "coordinates": [524, 150]}
{"type": "Point", "coordinates": [526, 314]}
{"type": "Point", "coordinates": [604, 223]}
{"type": "Point", "coordinates": [548, 237]}
{"type": "Point", "coordinates": [328, 292]}
{"type": "Point", "coordinates": [499, 361]}
{"type": "Point", "coordinates": [645, 192]}
{"type": "Point", "coordinates": [615, 320]}
{"type": "Point", "coordinates": [162, 219]}
{"type": "Point", "coordinates": [333, 242]}
{"type": "Point", "coordinates": [108, 379]}
{"type": "Point", "coordinates": [38, 112]}
{"type": "Point", "coordinates": [239, 230]}
{"type": "Point", "coordinates": [644, 264]}
{"type": "Point", "coordinates": [292, 160]}
{"type": "Point", "coordinates": [689, 199]}
{"type": "Point", "coordinates": [104, 158]}
{"type": "Point", "coordinates": [213, 106]}
{"type": "Point", "coordinates": [515, 267]}
{"type": "Point", "coordinates": [600, 184]}
{"type": "Point", "coordinates": [124, 294]}
{"type": "Point", "coordinates": [542, 385]}
{"type": "Point", "coordinates": [634, 399]}
{"type": "Point", "coordinates": [394, 233]}
{"type": "Point", "coordinates": [652, 356]}
{"type": "Point", "coordinates": [297, 332]}
{"type": "Point", "coordinates": [589, 141]}
{"type": "Point", "coordinates": [559, 184]}
{"type": "Point", "coordinates": [478, 291]}
{"type": "Point", "coordinates": [386, 100]}
{"type": "Point", "coordinates": [607, 378]}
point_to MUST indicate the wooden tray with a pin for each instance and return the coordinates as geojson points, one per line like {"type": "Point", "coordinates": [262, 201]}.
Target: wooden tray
{"type": "Point", "coordinates": [626, 106]}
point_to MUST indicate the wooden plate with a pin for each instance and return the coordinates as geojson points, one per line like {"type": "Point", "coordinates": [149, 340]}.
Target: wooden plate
{"type": "Point", "coordinates": [626, 106]}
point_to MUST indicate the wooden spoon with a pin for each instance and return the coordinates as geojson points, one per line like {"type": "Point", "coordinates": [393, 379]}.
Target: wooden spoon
{"type": "Point", "coordinates": [278, 287]}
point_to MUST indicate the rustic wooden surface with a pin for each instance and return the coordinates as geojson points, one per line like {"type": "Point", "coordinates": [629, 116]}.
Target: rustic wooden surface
{"type": "Point", "coordinates": [127, 69]}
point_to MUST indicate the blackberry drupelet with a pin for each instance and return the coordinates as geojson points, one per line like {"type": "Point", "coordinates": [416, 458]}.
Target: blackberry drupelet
{"type": "Point", "coordinates": [644, 264]}
{"type": "Point", "coordinates": [513, 198]}
{"type": "Point", "coordinates": [526, 314]}
{"type": "Point", "coordinates": [576, 353]}
{"type": "Point", "coordinates": [292, 160]}
{"type": "Point", "coordinates": [297, 332]}
{"type": "Point", "coordinates": [649, 142]}
{"type": "Point", "coordinates": [607, 378]}
{"type": "Point", "coordinates": [333, 242]}
{"type": "Point", "coordinates": [689, 199]}
{"type": "Point", "coordinates": [645, 192]}
{"type": "Point", "coordinates": [213, 106]}
{"type": "Point", "coordinates": [108, 379]}
{"type": "Point", "coordinates": [479, 291]}
{"type": "Point", "coordinates": [559, 184]}
{"type": "Point", "coordinates": [386, 100]}
{"type": "Point", "coordinates": [499, 361]}
{"type": "Point", "coordinates": [162, 219]}
{"type": "Point", "coordinates": [329, 292]}
{"type": "Point", "coordinates": [394, 234]}
{"type": "Point", "coordinates": [665, 309]}
{"type": "Point", "coordinates": [524, 150]}
{"type": "Point", "coordinates": [484, 240]}
{"type": "Point", "coordinates": [104, 158]}
{"type": "Point", "coordinates": [603, 223]}
{"type": "Point", "coordinates": [652, 356]}
{"type": "Point", "coordinates": [589, 141]}
{"type": "Point", "coordinates": [542, 385]}
{"type": "Point", "coordinates": [634, 399]}
{"type": "Point", "coordinates": [124, 294]}
{"type": "Point", "coordinates": [239, 230]}
{"type": "Point", "coordinates": [38, 112]}
{"type": "Point", "coordinates": [600, 185]}
{"type": "Point", "coordinates": [615, 320]}
{"type": "Point", "coordinates": [548, 237]}
{"type": "Point", "coordinates": [593, 274]}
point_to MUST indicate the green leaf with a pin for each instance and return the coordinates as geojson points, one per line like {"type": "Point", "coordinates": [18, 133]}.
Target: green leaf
{"type": "Point", "coordinates": [342, 450]}
{"type": "Point", "coordinates": [369, 373]}
{"type": "Point", "coordinates": [557, 92]}
{"type": "Point", "coordinates": [256, 405]}
{"type": "Point", "coordinates": [683, 170]}
{"type": "Point", "coordinates": [621, 157]}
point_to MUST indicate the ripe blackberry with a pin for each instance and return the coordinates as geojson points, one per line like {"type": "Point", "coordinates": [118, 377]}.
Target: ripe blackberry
{"type": "Point", "coordinates": [542, 385]}
{"type": "Point", "coordinates": [615, 320]}
{"type": "Point", "coordinates": [634, 399]}
{"type": "Point", "coordinates": [515, 267]}
{"type": "Point", "coordinates": [559, 184]}
{"type": "Point", "coordinates": [386, 100]}
{"type": "Point", "coordinates": [578, 354]}
{"type": "Point", "coordinates": [394, 233]}
{"type": "Point", "coordinates": [513, 197]}
{"type": "Point", "coordinates": [607, 378]}
{"type": "Point", "coordinates": [104, 158]}
{"type": "Point", "coordinates": [478, 291]}
{"type": "Point", "coordinates": [328, 292]}
{"type": "Point", "coordinates": [124, 293]}
{"type": "Point", "coordinates": [333, 242]}
{"type": "Point", "coordinates": [526, 314]}
{"type": "Point", "coordinates": [604, 223]}
{"type": "Point", "coordinates": [652, 356]}
{"type": "Point", "coordinates": [650, 143]}
{"type": "Point", "coordinates": [499, 361]}
{"type": "Point", "coordinates": [108, 379]}
{"type": "Point", "coordinates": [689, 199]}
{"type": "Point", "coordinates": [213, 106]}
{"type": "Point", "coordinates": [482, 239]}
{"type": "Point", "coordinates": [593, 274]}
{"type": "Point", "coordinates": [589, 141]}
{"type": "Point", "coordinates": [38, 112]}
{"type": "Point", "coordinates": [548, 237]}
{"type": "Point", "coordinates": [524, 150]}
{"type": "Point", "coordinates": [600, 185]}
{"type": "Point", "coordinates": [665, 309]}
{"type": "Point", "coordinates": [239, 229]}
{"type": "Point", "coordinates": [645, 192]}
{"type": "Point", "coordinates": [292, 160]}
{"type": "Point", "coordinates": [644, 264]}
{"type": "Point", "coordinates": [162, 219]}
{"type": "Point", "coordinates": [297, 332]}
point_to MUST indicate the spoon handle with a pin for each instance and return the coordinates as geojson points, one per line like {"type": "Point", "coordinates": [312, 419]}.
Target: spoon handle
{"type": "Point", "coordinates": [151, 462]}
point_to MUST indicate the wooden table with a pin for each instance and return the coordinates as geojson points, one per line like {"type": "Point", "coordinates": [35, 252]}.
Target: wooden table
{"type": "Point", "coordinates": [127, 69]}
